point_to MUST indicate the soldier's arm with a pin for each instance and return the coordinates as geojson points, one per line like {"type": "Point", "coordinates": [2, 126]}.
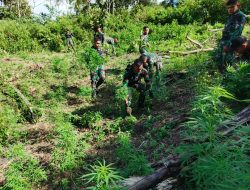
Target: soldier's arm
{"type": "Point", "coordinates": [239, 27]}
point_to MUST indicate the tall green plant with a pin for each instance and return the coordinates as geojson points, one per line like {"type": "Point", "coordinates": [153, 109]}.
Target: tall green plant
{"type": "Point", "coordinates": [103, 176]}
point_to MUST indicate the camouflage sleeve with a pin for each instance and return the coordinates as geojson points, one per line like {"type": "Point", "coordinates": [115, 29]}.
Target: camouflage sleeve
{"type": "Point", "coordinates": [146, 77]}
{"type": "Point", "coordinates": [238, 27]}
{"type": "Point", "coordinates": [126, 77]}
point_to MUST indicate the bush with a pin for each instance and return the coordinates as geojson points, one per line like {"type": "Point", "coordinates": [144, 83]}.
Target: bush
{"type": "Point", "coordinates": [8, 124]}
{"type": "Point", "coordinates": [134, 162]}
{"type": "Point", "coordinates": [24, 171]}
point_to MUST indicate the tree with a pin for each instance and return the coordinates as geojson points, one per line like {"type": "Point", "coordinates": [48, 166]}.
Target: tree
{"type": "Point", "coordinates": [16, 8]}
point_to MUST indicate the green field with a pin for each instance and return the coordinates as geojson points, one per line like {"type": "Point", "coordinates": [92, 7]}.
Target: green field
{"type": "Point", "coordinates": [54, 135]}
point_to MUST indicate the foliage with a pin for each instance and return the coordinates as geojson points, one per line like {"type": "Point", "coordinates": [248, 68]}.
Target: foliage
{"type": "Point", "coordinates": [237, 80]}
{"type": "Point", "coordinates": [15, 9]}
{"type": "Point", "coordinates": [121, 93]}
{"type": "Point", "coordinates": [90, 118]}
{"type": "Point", "coordinates": [24, 171]}
{"type": "Point", "coordinates": [66, 155]}
{"type": "Point", "coordinates": [8, 124]}
{"type": "Point", "coordinates": [208, 112]}
{"type": "Point", "coordinates": [134, 162]}
{"type": "Point", "coordinates": [92, 59]}
{"type": "Point", "coordinates": [218, 165]}
{"type": "Point", "coordinates": [103, 176]}
{"type": "Point", "coordinates": [60, 66]}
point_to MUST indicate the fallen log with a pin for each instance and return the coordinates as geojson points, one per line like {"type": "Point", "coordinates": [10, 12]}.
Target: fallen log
{"type": "Point", "coordinates": [171, 167]}
{"type": "Point", "coordinates": [192, 52]}
{"type": "Point", "coordinates": [194, 41]}
{"type": "Point", "coordinates": [230, 125]}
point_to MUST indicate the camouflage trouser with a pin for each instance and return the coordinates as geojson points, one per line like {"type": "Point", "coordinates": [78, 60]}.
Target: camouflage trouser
{"type": "Point", "coordinates": [155, 74]}
{"type": "Point", "coordinates": [223, 58]}
{"type": "Point", "coordinates": [70, 42]}
{"type": "Point", "coordinates": [97, 78]}
{"type": "Point", "coordinates": [141, 88]}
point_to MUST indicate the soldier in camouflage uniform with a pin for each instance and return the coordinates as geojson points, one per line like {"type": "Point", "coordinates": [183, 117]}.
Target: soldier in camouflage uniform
{"type": "Point", "coordinates": [132, 78]}
{"type": "Point", "coordinates": [241, 46]}
{"type": "Point", "coordinates": [97, 76]}
{"type": "Point", "coordinates": [233, 29]}
{"type": "Point", "coordinates": [151, 61]}
{"type": "Point", "coordinates": [99, 34]}
{"type": "Point", "coordinates": [69, 40]}
{"type": "Point", "coordinates": [144, 40]}
{"type": "Point", "coordinates": [111, 42]}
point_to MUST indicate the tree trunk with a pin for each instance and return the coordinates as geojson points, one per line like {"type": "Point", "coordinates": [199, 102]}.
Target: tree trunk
{"type": "Point", "coordinates": [171, 168]}
{"type": "Point", "coordinates": [228, 126]}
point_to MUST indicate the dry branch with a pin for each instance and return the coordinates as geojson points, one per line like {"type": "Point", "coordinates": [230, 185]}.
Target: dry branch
{"type": "Point", "coordinates": [228, 126]}
{"type": "Point", "coordinates": [194, 41]}
{"type": "Point", "coordinates": [171, 167]}
{"type": "Point", "coordinates": [216, 30]}
{"type": "Point", "coordinates": [192, 52]}
{"type": "Point", "coordinates": [26, 102]}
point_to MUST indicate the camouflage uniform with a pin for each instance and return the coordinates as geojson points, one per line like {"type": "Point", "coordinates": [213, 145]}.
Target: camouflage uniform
{"type": "Point", "coordinates": [233, 28]}
{"type": "Point", "coordinates": [144, 43]}
{"type": "Point", "coordinates": [153, 61]}
{"type": "Point", "coordinates": [98, 76]}
{"type": "Point", "coordinates": [69, 40]}
{"type": "Point", "coordinates": [111, 42]}
{"type": "Point", "coordinates": [134, 81]}
{"type": "Point", "coordinates": [100, 36]}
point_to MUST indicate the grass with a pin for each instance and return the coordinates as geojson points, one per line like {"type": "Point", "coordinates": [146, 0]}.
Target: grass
{"type": "Point", "coordinates": [85, 131]}
{"type": "Point", "coordinates": [23, 172]}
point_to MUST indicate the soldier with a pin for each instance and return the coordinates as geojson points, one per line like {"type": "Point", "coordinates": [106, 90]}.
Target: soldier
{"type": "Point", "coordinates": [151, 60]}
{"type": "Point", "coordinates": [99, 34]}
{"type": "Point", "coordinates": [144, 40]}
{"type": "Point", "coordinates": [97, 76]}
{"type": "Point", "coordinates": [112, 42]}
{"type": "Point", "coordinates": [241, 46]}
{"type": "Point", "coordinates": [233, 29]}
{"type": "Point", "coordinates": [132, 78]}
{"type": "Point", "coordinates": [69, 40]}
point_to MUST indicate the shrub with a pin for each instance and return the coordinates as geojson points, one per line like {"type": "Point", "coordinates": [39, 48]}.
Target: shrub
{"type": "Point", "coordinates": [134, 162]}
{"type": "Point", "coordinates": [24, 171]}
{"type": "Point", "coordinates": [103, 176]}
{"type": "Point", "coordinates": [8, 124]}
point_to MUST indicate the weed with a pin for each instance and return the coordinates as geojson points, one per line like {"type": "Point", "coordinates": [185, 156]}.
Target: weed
{"type": "Point", "coordinates": [134, 162]}
{"type": "Point", "coordinates": [90, 119]}
{"type": "Point", "coordinates": [84, 91]}
{"type": "Point", "coordinates": [104, 176]}
{"type": "Point", "coordinates": [66, 155]}
{"type": "Point", "coordinates": [8, 125]}
{"type": "Point", "coordinates": [24, 171]}
{"type": "Point", "coordinates": [60, 66]}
